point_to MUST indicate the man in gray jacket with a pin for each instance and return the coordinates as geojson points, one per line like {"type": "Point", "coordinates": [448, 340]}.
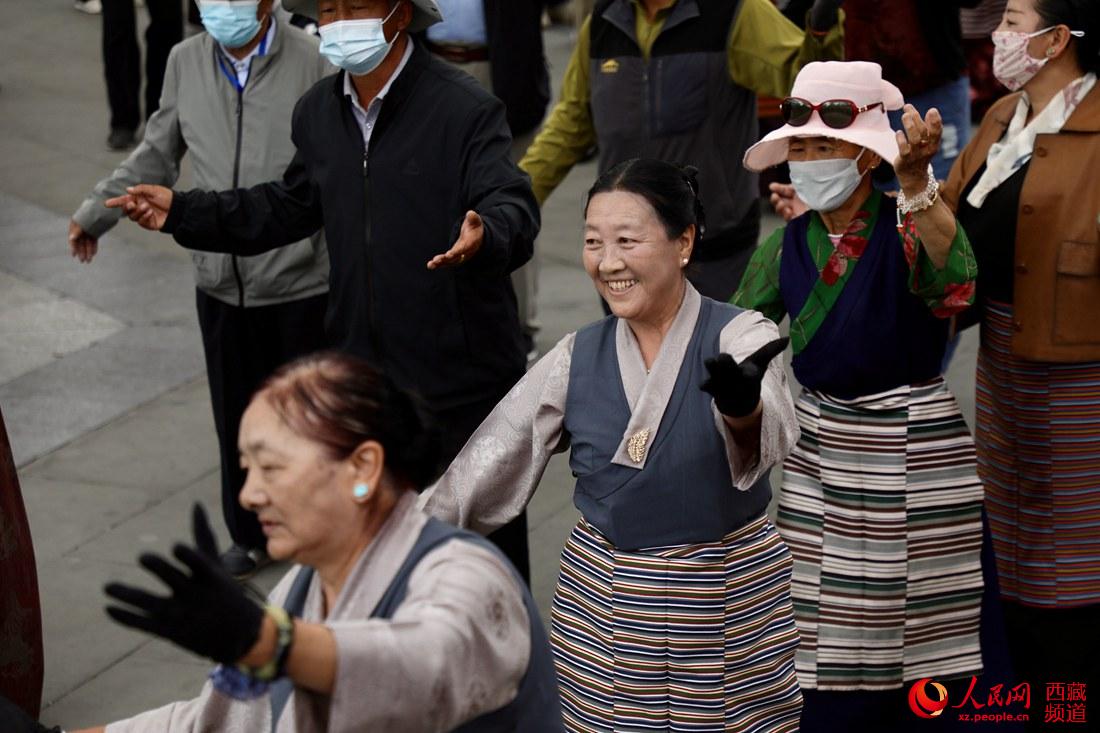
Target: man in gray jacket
{"type": "Point", "coordinates": [227, 99]}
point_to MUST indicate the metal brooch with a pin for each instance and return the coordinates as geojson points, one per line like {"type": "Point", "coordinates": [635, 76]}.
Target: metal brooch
{"type": "Point", "coordinates": [635, 446]}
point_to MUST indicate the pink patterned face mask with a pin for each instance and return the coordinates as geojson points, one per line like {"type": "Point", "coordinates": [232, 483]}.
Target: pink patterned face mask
{"type": "Point", "coordinates": [1012, 64]}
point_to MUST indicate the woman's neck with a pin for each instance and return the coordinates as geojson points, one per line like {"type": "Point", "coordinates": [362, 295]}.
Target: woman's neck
{"type": "Point", "coordinates": [1051, 79]}
{"type": "Point", "coordinates": [837, 220]}
{"type": "Point", "coordinates": [650, 334]}
{"type": "Point", "coordinates": [334, 571]}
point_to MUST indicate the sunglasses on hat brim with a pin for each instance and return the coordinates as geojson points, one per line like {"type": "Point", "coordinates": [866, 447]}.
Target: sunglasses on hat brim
{"type": "Point", "coordinates": [835, 113]}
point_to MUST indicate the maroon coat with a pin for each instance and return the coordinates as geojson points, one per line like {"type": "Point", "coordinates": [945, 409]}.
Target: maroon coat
{"type": "Point", "coordinates": [21, 663]}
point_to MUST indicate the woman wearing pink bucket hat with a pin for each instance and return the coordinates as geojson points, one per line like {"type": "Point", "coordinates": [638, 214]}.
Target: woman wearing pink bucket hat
{"type": "Point", "coordinates": [880, 502]}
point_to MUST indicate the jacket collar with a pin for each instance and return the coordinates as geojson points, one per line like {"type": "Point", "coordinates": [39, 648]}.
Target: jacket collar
{"type": "Point", "coordinates": [621, 15]}
{"type": "Point", "coordinates": [1086, 118]}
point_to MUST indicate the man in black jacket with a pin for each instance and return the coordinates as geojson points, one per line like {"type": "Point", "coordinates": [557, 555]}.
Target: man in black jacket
{"type": "Point", "coordinates": [396, 159]}
{"type": "Point", "coordinates": [499, 43]}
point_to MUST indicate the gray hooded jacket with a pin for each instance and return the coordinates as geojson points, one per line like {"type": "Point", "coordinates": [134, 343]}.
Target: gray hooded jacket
{"type": "Point", "coordinates": [235, 139]}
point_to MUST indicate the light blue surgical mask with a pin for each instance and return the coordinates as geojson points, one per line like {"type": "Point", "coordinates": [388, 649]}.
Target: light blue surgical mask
{"type": "Point", "coordinates": [356, 46]}
{"type": "Point", "coordinates": [232, 23]}
{"type": "Point", "coordinates": [826, 184]}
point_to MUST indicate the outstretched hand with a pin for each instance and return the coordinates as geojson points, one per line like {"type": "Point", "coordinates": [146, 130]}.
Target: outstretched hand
{"type": "Point", "coordinates": [82, 246]}
{"type": "Point", "coordinates": [145, 204]}
{"type": "Point", "coordinates": [736, 386]}
{"type": "Point", "coordinates": [207, 612]}
{"type": "Point", "coordinates": [470, 239]}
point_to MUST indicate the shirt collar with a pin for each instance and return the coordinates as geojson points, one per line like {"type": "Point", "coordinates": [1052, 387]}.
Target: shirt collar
{"type": "Point", "coordinates": [349, 88]}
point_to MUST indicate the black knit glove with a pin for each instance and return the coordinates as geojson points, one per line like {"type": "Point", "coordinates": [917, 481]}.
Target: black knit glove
{"type": "Point", "coordinates": [207, 613]}
{"type": "Point", "coordinates": [736, 387]}
{"type": "Point", "coordinates": [13, 719]}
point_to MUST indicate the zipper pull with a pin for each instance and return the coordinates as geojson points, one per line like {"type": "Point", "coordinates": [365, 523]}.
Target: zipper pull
{"type": "Point", "coordinates": [365, 164]}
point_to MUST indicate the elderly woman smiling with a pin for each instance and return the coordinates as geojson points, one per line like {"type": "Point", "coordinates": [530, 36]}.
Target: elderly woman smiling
{"type": "Point", "coordinates": [673, 606]}
{"type": "Point", "coordinates": [880, 501]}
{"type": "Point", "coordinates": [392, 622]}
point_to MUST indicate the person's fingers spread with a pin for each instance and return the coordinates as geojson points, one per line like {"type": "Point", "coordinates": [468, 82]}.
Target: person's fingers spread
{"type": "Point", "coordinates": [116, 202]}
{"type": "Point", "coordinates": [204, 535]}
{"type": "Point", "coordinates": [199, 564]}
{"type": "Point", "coordinates": [136, 597]}
{"type": "Point", "coordinates": [135, 620]}
{"type": "Point", "coordinates": [166, 571]}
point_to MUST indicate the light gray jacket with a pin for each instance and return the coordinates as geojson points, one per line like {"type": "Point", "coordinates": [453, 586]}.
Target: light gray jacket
{"type": "Point", "coordinates": [234, 139]}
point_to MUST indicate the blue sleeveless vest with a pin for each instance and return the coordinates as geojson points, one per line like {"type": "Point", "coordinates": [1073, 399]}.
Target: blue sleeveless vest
{"type": "Point", "coordinates": [536, 707]}
{"type": "Point", "coordinates": [683, 495]}
{"type": "Point", "coordinates": [878, 335]}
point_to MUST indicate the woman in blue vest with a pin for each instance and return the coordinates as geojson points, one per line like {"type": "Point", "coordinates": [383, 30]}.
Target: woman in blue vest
{"type": "Point", "coordinates": [391, 621]}
{"type": "Point", "coordinates": [880, 502]}
{"type": "Point", "coordinates": [673, 607]}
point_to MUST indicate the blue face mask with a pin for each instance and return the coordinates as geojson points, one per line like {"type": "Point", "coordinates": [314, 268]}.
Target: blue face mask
{"type": "Point", "coordinates": [356, 46]}
{"type": "Point", "coordinates": [231, 23]}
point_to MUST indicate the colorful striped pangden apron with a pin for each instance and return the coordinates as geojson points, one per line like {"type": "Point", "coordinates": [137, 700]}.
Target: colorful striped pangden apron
{"type": "Point", "coordinates": [686, 638]}
{"type": "Point", "coordinates": [1038, 437]}
{"type": "Point", "coordinates": [881, 508]}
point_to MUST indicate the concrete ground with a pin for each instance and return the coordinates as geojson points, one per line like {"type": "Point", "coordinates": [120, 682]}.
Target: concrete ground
{"type": "Point", "coordinates": [101, 372]}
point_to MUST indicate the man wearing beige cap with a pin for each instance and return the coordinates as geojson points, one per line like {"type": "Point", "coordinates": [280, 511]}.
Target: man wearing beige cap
{"type": "Point", "coordinates": [405, 162]}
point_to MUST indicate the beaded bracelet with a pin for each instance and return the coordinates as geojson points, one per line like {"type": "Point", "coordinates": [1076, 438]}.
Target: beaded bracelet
{"type": "Point", "coordinates": [923, 201]}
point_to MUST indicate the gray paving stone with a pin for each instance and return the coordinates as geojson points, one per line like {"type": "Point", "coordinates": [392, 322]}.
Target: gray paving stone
{"type": "Point", "coordinates": [65, 515]}
{"type": "Point", "coordinates": [39, 327]}
{"type": "Point", "coordinates": [168, 444]}
{"type": "Point", "coordinates": [131, 686]}
{"type": "Point", "coordinates": [51, 406]}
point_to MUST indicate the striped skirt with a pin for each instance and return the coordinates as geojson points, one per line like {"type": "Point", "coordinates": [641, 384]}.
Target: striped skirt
{"type": "Point", "coordinates": [685, 638]}
{"type": "Point", "coordinates": [1038, 437]}
{"type": "Point", "coordinates": [881, 507]}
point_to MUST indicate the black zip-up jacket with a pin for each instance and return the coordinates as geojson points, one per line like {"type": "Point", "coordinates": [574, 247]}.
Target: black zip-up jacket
{"type": "Point", "coordinates": [440, 147]}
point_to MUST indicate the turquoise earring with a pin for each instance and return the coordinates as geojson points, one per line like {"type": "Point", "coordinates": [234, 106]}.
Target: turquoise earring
{"type": "Point", "coordinates": [361, 491]}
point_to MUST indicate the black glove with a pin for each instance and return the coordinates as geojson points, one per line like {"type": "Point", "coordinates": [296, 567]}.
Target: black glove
{"type": "Point", "coordinates": [208, 612]}
{"type": "Point", "coordinates": [13, 719]}
{"type": "Point", "coordinates": [736, 387]}
{"type": "Point", "coordinates": [824, 15]}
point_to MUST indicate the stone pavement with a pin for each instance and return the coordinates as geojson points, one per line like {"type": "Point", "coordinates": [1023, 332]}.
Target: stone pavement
{"type": "Point", "coordinates": [101, 372]}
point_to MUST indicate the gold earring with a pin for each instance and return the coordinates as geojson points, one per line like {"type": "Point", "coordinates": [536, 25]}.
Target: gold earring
{"type": "Point", "coordinates": [1050, 51]}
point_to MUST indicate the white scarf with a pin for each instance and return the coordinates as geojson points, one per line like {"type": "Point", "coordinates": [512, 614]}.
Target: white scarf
{"type": "Point", "coordinates": [1015, 148]}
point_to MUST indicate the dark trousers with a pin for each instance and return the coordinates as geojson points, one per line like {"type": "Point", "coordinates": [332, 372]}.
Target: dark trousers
{"type": "Point", "coordinates": [457, 425]}
{"type": "Point", "coordinates": [243, 347]}
{"type": "Point", "coordinates": [1052, 646]}
{"type": "Point", "coordinates": [122, 59]}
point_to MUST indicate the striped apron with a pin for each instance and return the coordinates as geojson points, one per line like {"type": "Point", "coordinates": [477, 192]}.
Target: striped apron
{"type": "Point", "coordinates": [881, 508]}
{"type": "Point", "coordinates": [1038, 437]}
{"type": "Point", "coordinates": [684, 638]}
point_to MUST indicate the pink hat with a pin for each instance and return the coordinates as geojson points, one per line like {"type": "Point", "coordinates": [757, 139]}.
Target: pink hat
{"type": "Point", "coordinates": [858, 81]}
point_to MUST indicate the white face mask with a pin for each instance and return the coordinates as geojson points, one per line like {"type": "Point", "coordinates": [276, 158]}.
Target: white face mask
{"type": "Point", "coordinates": [1012, 64]}
{"type": "Point", "coordinates": [826, 184]}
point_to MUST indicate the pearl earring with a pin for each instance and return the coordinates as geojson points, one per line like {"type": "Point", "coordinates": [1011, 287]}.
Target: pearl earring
{"type": "Point", "coordinates": [1050, 52]}
{"type": "Point", "coordinates": [684, 262]}
{"type": "Point", "coordinates": [361, 491]}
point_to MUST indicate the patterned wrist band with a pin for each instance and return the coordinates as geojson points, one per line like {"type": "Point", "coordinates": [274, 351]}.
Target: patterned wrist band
{"type": "Point", "coordinates": [275, 666]}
